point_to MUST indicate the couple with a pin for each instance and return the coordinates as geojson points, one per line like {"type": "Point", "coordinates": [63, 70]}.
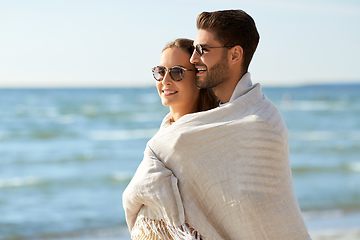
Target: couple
{"type": "Point", "coordinates": [218, 168]}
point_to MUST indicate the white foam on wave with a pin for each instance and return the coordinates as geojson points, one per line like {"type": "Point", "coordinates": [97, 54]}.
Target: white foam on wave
{"type": "Point", "coordinates": [123, 135]}
{"type": "Point", "coordinates": [353, 166]}
{"type": "Point", "coordinates": [324, 135]}
{"type": "Point", "coordinates": [146, 117]}
{"type": "Point", "coordinates": [312, 135]}
{"type": "Point", "coordinates": [307, 105]}
{"type": "Point", "coordinates": [19, 181]}
{"type": "Point", "coordinates": [354, 135]}
{"type": "Point", "coordinates": [66, 119]}
{"type": "Point", "coordinates": [336, 234]}
{"type": "Point", "coordinates": [326, 214]}
{"type": "Point", "coordinates": [122, 176]}
{"type": "Point", "coordinates": [338, 227]}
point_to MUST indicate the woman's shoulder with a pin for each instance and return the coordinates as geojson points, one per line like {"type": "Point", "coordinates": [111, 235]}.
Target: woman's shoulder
{"type": "Point", "coordinates": [166, 121]}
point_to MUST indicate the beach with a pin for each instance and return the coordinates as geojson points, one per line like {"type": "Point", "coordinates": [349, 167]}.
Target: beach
{"type": "Point", "coordinates": [335, 227]}
{"type": "Point", "coordinates": [68, 154]}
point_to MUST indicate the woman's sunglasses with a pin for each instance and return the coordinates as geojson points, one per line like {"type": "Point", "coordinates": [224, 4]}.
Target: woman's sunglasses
{"type": "Point", "coordinates": [200, 49]}
{"type": "Point", "coordinates": [176, 73]}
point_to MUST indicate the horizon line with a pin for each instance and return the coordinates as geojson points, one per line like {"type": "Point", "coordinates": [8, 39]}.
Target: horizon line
{"type": "Point", "coordinates": [150, 86]}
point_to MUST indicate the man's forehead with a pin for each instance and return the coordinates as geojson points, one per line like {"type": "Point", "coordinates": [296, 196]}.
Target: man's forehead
{"type": "Point", "coordinates": [205, 37]}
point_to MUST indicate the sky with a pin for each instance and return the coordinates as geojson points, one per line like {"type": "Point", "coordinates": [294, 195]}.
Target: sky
{"type": "Point", "coordinates": [115, 43]}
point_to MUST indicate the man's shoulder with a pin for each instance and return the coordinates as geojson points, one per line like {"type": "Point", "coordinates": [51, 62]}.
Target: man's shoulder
{"type": "Point", "coordinates": [268, 112]}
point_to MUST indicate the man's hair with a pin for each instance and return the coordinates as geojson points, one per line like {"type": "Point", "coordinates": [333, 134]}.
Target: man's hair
{"type": "Point", "coordinates": [232, 27]}
{"type": "Point", "coordinates": [207, 98]}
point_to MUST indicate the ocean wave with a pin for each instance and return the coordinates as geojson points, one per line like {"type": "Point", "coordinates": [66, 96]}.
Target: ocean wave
{"type": "Point", "coordinates": [37, 134]}
{"type": "Point", "coordinates": [340, 233]}
{"type": "Point", "coordinates": [317, 169]}
{"type": "Point", "coordinates": [123, 135]}
{"type": "Point", "coordinates": [20, 182]}
{"type": "Point", "coordinates": [308, 105]}
{"type": "Point", "coordinates": [323, 214]}
{"type": "Point", "coordinates": [324, 135]}
{"type": "Point", "coordinates": [67, 118]}
{"type": "Point", "coordinates": [347, 167]}
{"type": "Point", "coordinates": [122, 176]}
{"type": "Point", "coordinates": [353, 166]}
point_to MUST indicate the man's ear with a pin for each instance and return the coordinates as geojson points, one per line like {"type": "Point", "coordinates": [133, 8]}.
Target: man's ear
{"type": "Point", "coordinates": [237, 54]}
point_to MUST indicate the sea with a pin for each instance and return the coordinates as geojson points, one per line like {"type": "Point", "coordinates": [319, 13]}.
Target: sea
{"type": "Point", "coordinates": [66, 155]}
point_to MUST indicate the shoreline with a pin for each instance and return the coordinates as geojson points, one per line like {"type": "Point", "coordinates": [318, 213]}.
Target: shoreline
{"type": "Point", "coordinates": [335, 226]}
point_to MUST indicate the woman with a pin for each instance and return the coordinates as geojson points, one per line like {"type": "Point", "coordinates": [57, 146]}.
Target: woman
{"type": "Point", "coordinates": [175, 77]}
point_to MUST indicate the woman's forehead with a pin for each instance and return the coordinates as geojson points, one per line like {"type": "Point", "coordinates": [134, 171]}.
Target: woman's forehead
{"type": "Point", "coordinates": [174, 57]}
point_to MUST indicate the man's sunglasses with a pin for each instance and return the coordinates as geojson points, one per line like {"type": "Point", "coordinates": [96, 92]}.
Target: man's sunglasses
{"type": "Point", "coordinates": [200, 49]}
{"type": "Point", "coordinates": [176, 73]}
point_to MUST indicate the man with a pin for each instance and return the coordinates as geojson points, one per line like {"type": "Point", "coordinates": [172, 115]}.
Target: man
{"type": "Point", "coordinates": [224, 173]}
{"type": "Point", "coordinates": [225, 44]}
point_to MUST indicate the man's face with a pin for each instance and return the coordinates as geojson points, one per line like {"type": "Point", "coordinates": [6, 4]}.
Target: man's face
{"type": "Point", "coordinates": [212, 67]}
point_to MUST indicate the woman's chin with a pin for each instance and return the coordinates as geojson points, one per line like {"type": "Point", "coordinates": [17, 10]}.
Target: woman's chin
{"type": "Point", "coordinates": [166, 103]}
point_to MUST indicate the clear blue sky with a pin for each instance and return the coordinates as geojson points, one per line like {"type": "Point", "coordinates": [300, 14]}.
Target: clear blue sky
{"type": "Point", "coordinates": [72, 43]}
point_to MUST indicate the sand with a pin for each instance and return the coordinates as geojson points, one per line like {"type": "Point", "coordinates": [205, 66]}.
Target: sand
{"type": "Point", "coordinates": [337, 226]}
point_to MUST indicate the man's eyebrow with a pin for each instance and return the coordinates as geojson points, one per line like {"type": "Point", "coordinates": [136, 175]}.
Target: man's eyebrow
{"type": "Point", "coordinates": [202, 45]}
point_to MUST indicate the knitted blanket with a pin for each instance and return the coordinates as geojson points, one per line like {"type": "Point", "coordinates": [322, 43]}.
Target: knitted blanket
{"type": "Point", "coordinates": [219, 174]}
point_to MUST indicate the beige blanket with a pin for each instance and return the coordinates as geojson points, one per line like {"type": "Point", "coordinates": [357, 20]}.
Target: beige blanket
{"type": "Point", "coordinates": [224, 172]}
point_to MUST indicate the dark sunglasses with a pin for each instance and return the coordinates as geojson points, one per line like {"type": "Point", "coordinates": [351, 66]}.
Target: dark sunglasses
{"type": "Point", "coordinates": [200, 49]}
{"type": "Point", "coordinates": [176, 73]}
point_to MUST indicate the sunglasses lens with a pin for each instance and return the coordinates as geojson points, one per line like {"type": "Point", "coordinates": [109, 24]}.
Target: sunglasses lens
{"type": "Point", "coordinates": [159, 73]}
{"type": "Point", "coordinates": [199, 50]}
{"type": "Point", "coordinates": [177, 73]}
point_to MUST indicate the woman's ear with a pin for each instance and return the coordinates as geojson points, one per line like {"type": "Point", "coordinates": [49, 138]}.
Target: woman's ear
{"type": "Point", "coordinates": [237, 54]}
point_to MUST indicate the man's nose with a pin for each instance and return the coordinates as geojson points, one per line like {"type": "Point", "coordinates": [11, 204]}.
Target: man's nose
{"type": "Point", "coordinates": [194, 58]}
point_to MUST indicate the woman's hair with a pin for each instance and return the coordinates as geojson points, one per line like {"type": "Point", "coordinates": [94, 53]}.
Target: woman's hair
{"type": "Point", "coordinates": [207, 98]}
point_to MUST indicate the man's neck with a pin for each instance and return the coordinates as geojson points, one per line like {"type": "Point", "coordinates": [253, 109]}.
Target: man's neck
{"type": "Point", "coordinates": [225, 90]}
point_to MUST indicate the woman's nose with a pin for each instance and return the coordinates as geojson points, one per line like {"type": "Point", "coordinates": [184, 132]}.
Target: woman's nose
{"type": "Point", "coordinates": [167, 79]}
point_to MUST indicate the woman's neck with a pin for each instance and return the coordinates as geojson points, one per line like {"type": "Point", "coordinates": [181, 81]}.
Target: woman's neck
{"type": "Point", "coordinates": [175, 114]}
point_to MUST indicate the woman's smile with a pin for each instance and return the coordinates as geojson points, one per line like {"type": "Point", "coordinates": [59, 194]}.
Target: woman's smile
{"type": "Point", "coordinates": [168, 92]}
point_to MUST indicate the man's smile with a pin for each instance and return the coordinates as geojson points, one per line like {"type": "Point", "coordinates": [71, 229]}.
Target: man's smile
{"type": "Point", "coordinates": [200, 70]}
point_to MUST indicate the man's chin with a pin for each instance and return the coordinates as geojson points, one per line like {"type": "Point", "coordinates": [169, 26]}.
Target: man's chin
{"type": "Point", "coordinates": [200, 82]}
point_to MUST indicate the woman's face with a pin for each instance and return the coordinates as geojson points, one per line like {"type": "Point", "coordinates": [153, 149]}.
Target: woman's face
{"type": "Point", "coordinates": [182, 96]}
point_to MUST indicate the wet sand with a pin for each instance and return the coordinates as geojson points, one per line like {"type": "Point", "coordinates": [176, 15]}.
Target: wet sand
{"type": "Point", "coordinates": [334, 227]}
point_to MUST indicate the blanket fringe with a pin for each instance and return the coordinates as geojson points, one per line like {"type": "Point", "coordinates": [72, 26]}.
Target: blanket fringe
{"type": "Point", "coordinates": [153, 229]}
